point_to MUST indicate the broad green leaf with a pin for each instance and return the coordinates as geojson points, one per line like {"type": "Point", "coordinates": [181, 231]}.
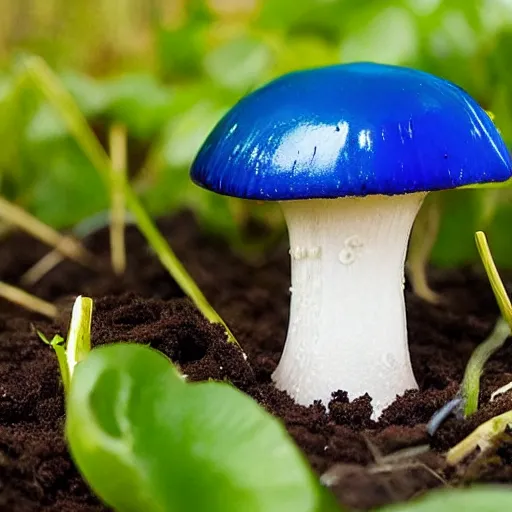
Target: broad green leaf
{"type": "Point", "coordinates": [500, 236]}
{"type": "Point", "coordinates": [66, 188]}
{"type": "Point", "coordinates": [477, 499]}
{"type": "Point", "coordinates": [185, 134]}
{"type": "Point", "coordinates": [92, 96]}
{"type": "Point", "coordinates": [390, 37]}
{"type": "Point", "coordinates": [283, 14]}
{"type": "Point", "coordinates": [467, 211]}
{"type": "Point", "coordinates": [17, 106]}
{"type": "Point", "coordinates": [140, 102]}
{"type": "Point", "coordinates": [146, 440]}
{"type": "Point", "coordinates": [181, 50]}
{"type": "Point", "coordinates": [460, 210]}
{"type": "Point", "coordinates": [45, 126]}
{"type": "Point", "coordinates": [240, 63]}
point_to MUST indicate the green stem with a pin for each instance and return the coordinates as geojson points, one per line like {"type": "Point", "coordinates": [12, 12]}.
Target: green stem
{"type": "Point", "coordinates": [471, 382]}
{"type": "Point", "coordinates": [470, 386]}
{"type": "Point", "coordinates": [51, 87]}
{"type": "Point", "coordinates": [118, 157]}
{"type": "Point", "coordinates": [497, 285]}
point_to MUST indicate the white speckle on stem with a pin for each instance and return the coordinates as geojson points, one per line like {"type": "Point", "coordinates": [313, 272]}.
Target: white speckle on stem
{"type": "Point", "coordinates": [352, 246]}
{"type": "Point", "coordinates": [301, 253]}
{"type": "Point", "coordinates": [354, 241]}
{"type": "Point", "coordinates": [347, 256]}
{"type": "Point", "coordinates": [314, 252]}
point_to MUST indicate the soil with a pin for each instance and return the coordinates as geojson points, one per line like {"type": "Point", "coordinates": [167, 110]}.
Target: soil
{"type": "Point", "coordinates": [36, 472]}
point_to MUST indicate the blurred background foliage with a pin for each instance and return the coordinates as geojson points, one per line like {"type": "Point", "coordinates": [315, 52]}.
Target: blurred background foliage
{"type": "Point", "coordinates": [169, 69]}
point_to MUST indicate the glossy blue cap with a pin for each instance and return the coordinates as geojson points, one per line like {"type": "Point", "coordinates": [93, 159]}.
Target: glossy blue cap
{"type": "Point", "coordinates": [351, 130]}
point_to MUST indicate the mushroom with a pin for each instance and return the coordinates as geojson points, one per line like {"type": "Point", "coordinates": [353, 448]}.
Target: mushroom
{"type": "Point", "coordinates": [350, 151]}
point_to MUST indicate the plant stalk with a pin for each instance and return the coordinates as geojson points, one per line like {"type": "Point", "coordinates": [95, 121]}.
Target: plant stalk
{"type": "Point", "coordinates": [117, 143]}
{"type": "Point", "coordinates": [53, 90]}
{"type": "Point", "coordinates": [27, 301]}
{"type": "Point", "coordinates": [66, 245]}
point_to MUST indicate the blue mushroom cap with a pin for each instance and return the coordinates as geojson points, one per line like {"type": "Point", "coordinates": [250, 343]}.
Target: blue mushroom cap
{"type": "Point", "coordinates": [351, 130]}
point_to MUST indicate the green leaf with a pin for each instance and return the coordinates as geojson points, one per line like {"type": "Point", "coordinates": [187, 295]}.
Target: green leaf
{"type": "Point", "coordinates": [146, 440]}
{"type": "Point", "coordinates": [389, 36]}
{"type": "Point", "coordinates": [78, 342]}
{"type": "Point", "coordinates": [460, 211]}
{"type": "Point", "coordinates": [181, 50]}
{"type": "Point", "coordinates": [186, 133]}
{"type": "Point", "coordinates": [140, 103]}
{"type": "Point", "coordinates": [66, 188]}
{"type": "Point", "coordinates": [477, 499]}
{"type": "Point", "coordinates": [60, 352]}
{"type": "Point", "coordinates": [17, 105]}
{"type": "Point", "coordinates": [283, 14]}
{"type": "Point", "coordinates": [92, 96]}
{"type": "Point", "coordinates": [45, 126]}
{"type": "Point", "coordinates": [240, 63]}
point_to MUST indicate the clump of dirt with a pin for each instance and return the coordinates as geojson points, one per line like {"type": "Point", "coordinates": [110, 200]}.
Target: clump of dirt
{"type": "Point", "coordinates": [146, 306]}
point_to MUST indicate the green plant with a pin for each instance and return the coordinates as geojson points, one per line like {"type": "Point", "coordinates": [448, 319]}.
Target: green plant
{"type": "Point", "coordinates": [466, 402]}
{"type": "Point", "coordinates": [181, 446]}
{"type": "Point", "coordinates": [78, 340]}
{"type": "Point", "coordinates": [146, 440]}
{"type": "Point", "coordinates": [49, 85]}
{"type": "Point", "coordinates": [470, 387]}
{"type": "Point", "coordinates": [477, 499]}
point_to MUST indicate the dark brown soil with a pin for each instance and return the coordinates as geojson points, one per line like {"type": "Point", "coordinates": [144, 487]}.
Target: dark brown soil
{"type": "Point", "coordinates": [146, 306]}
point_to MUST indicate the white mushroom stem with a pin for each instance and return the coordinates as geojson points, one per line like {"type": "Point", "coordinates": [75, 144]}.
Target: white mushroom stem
{"type": "Point", "coordinates": [347, 328]}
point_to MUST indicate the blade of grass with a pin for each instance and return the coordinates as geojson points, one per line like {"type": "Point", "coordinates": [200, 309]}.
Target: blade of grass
{"type": "Point", "coordinates": [497, 285]}
{"type": "Point", "coordinates": [53, 90]}
{"type": "Point", "coordinates": [66, 245]}
{"type": "Point", "coordinates": [78, 343]}
{"type": "Point", "coordinates": [41, 268]}
{"type": "Point", "coordinates": [117, 145]}
{"type": "Point", "coordinates": [82, 230]}
{"type": "Point", "coordinates": [470, 386]}
{"type": "Point", "coordinates": [482, 437]}
{"type": "Point", "coordinates": [27, 301]}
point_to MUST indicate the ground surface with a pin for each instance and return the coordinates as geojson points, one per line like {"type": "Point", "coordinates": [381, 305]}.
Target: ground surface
{"type": "Point", "coordinates": [36, 472]}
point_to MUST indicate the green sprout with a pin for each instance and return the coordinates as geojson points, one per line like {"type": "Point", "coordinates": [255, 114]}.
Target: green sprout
{"type": "Point", "coordinates": [466, 401]}
{"type": "Point", "coordinates": [470, 387]}
{"type": "Point", "coordinates": [78, 342]}
{"type": "Point", "coordinates": [484, 436]}
{"type": "Point", "coordinates": [57, 344]}
{"type": "Point", "coordinates": [471, 382]}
